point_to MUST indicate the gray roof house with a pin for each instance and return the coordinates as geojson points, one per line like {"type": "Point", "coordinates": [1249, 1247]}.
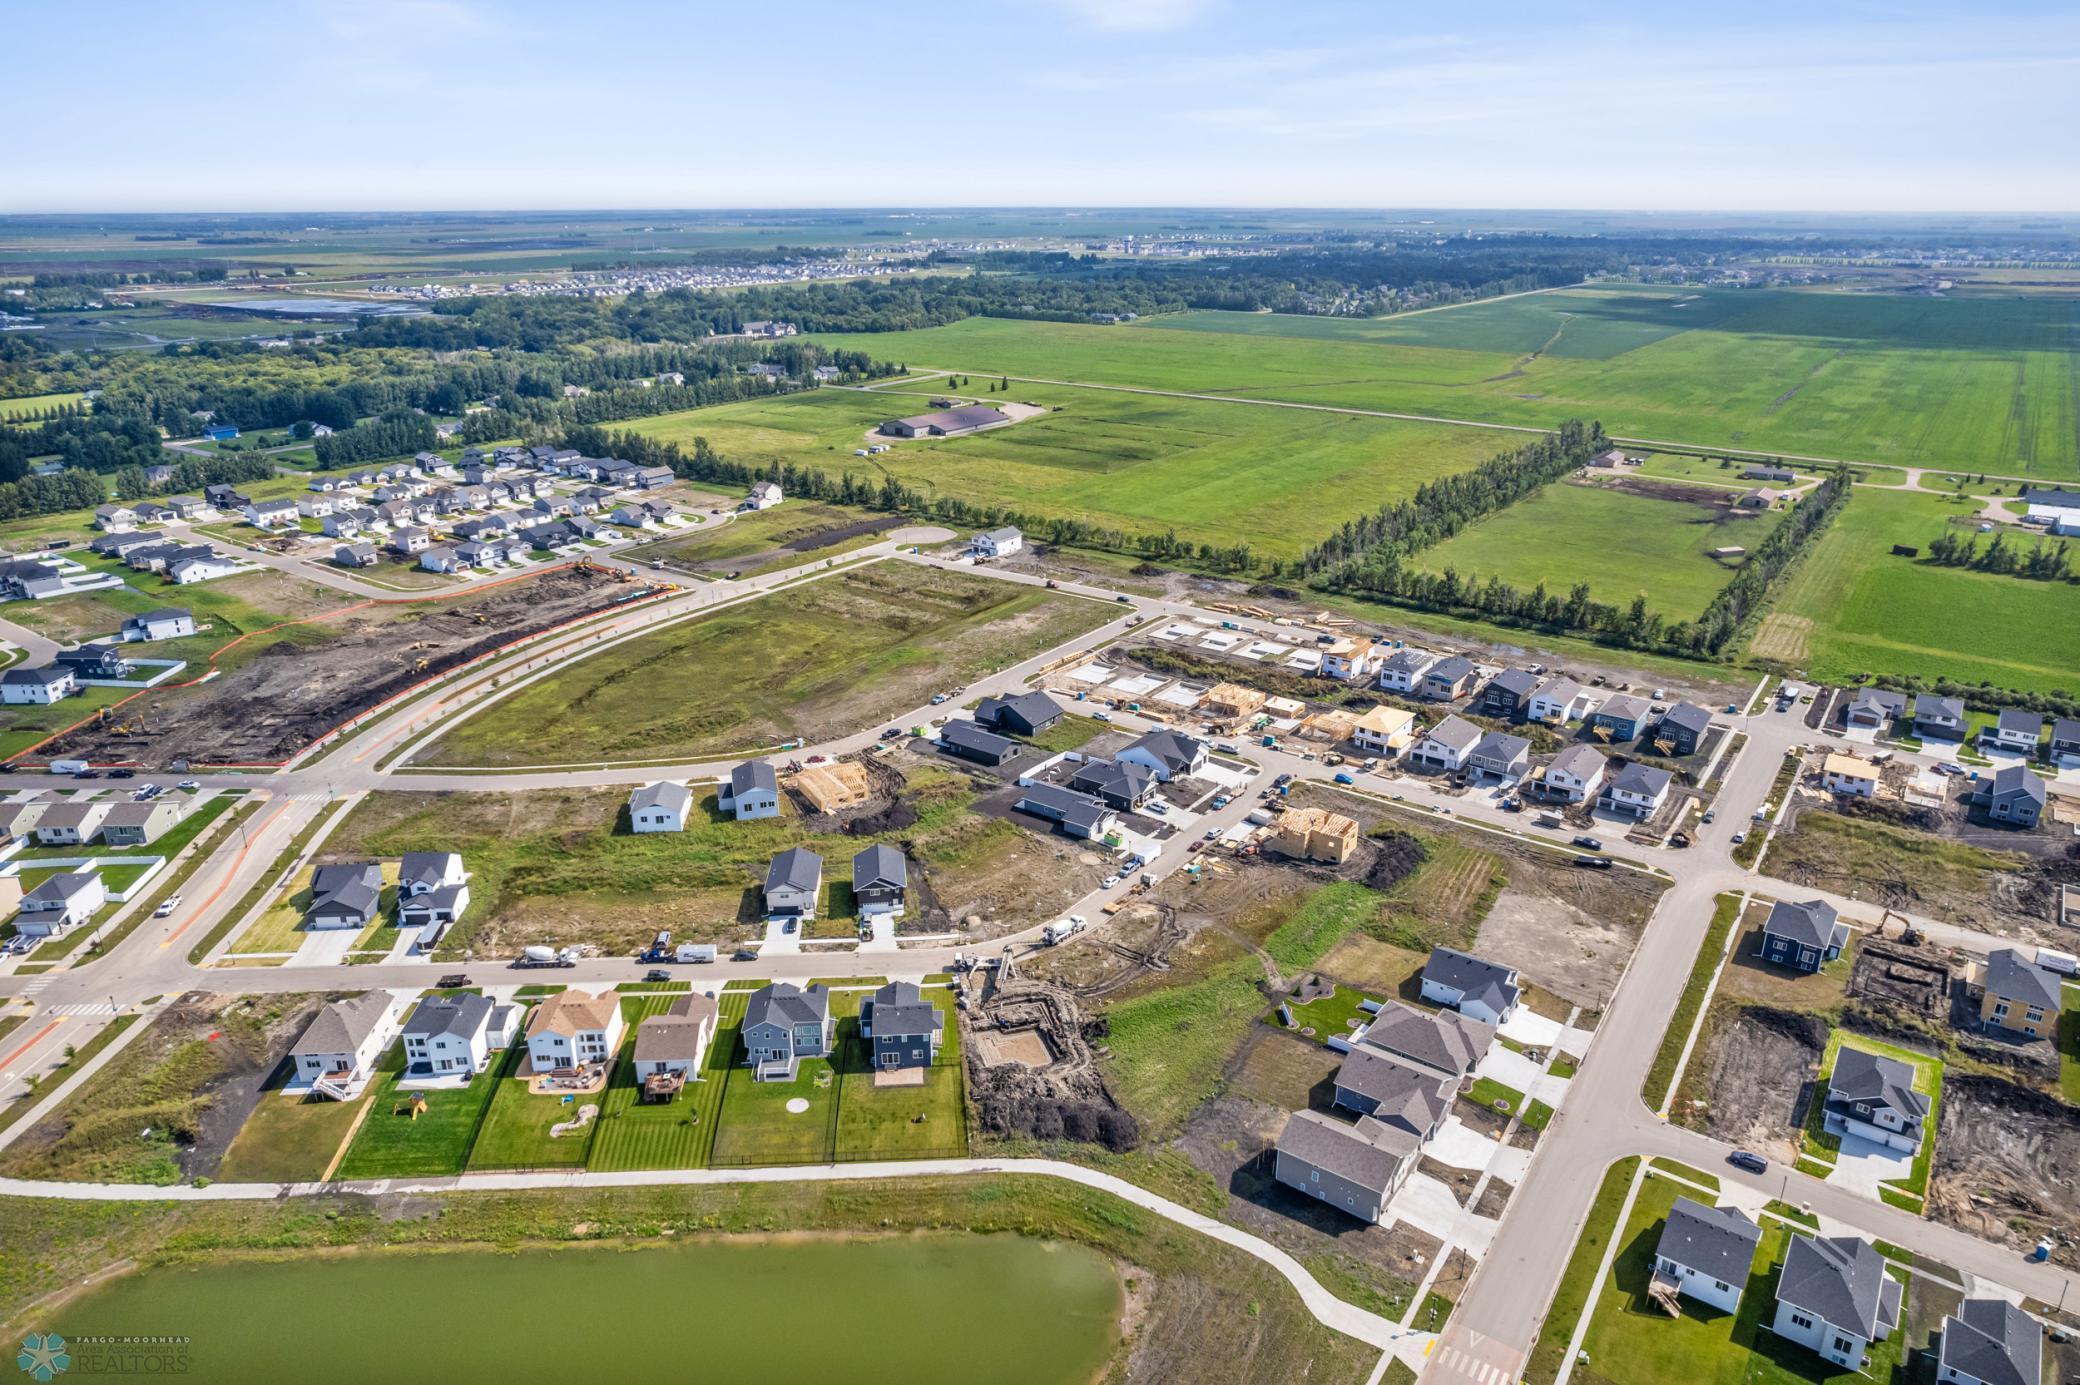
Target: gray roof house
{"type": "Point", "coordinates": [903, 1027]}
{"type": "Point", "coordinates": [1500, 754]}
{"type": "Point", "coordinates": [2065, 739]}
{"type": "Point", "coordinates": [1408, 1096]}
{"type": "Point", "coordinates": [784, 1024]}
{"type": "Point", "coordinates": [345, 895]}
{"type": "Point", "coordinates": [1803, 936]}
{"type": "Point", "coordinates": [1168, 754]}
{"type": "Point", "coordinates": [1989, 1341]}
{"type": "Point", "coordinates": [1508, 693]}
{"type": "Point", "coordinates": [880, 881]}
{"type": "Point", "coordinates": [2015, 795]}
{"type": "Point", "coordinates": [1447, 744]}
{"type": "Point", "coordinates": [1446, 1040]}
{"type": "Point", "coordinates": [1403, 672]}
{"type": "Point", "coordinates": [1623, 717]}
{"type": "Point", "coordinates": [1705, 1253]}
{"type": "Point", "coordinates": [1074, 814]}
{"type": "Point", "coordinates": [1574, 774]}
{"type": "Point", "coordinates": [969, 741]}
{"type": "Point", "coordinates": [1356, 1168]}
{"type": "Point", "coordinates": [1121, 785]}
{"type": "Point", "coordinates": [1447, 678]}
{"type": "Point", "coordinates": [661, 807]}
{"type": "Point", "coordinates": [2019, 995]}
{"type": "Point", "coordinates": [1940, 718]}
{"type": "Point", "coordinates": [751, 791]}
{"type": "Point", "coordinates": [794, 881]}
{"type": "Point", "coordinates": [1835, 1297]}
{"type": "Point", "coordinates": [2013, 730]}
{"type": "Point", "coordinates": [337, 1051]}
{"type": "Point", "coordinates": [1872, 1097]}
{"type": "Point", "coordinates": [1875, 708]}
{"type": "Point", "coordinates": [1636, 789]}
{"type": "Point", "coordinates": [1475, 987]}
{"type": "Point", "coordinates": [1682, 729]}
{"type": "Point", "coordinates": [1027, 714]}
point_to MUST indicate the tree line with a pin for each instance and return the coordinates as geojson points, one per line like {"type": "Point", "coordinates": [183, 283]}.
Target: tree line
{"type": "Point", "coordinates": [400, 433]}
{"type": "Point", "coordinates": [2040, 563]}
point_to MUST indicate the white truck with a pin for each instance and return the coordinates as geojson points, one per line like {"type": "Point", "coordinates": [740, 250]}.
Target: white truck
{"type": "Point", "coordinates": [695, 952]}
{"type": "Point", "coordinates": [2064, 963]}
{"type": "Point", "coordinates": [70, 767]}
{"type": "Point", "coordinates": [548, 957]}
{"type": "Point", "coordinates": [1061, 930]}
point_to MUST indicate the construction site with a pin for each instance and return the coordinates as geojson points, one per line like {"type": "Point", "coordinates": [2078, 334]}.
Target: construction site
{"type": "Point", "coordinates": [307, 678]}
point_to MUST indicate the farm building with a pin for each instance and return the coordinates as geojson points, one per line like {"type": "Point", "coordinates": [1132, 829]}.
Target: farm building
{"type": "Point", "coordinates": [945, 423]}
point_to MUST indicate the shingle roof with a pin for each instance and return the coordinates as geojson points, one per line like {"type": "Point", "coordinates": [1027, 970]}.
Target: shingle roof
{"type": "Point", "coordinates": [753, 775]}
{"type": "Point", "coordinates": [1582, 760]}
{"type": "Point", "coordinates": [1840, 1279]}
{"type": "Point", "coordinates": [1443, 1039]}
{"type": "Point", "coordinates": [1129, 781]}
{"type": "Point", "coordinates": [1411, 1093]}
{"type": "Point", "coordinates": [1476, 978]}
{"type": "Point", "coordinates": [669, 794]}
{"type": "Point", "coordinates": [1456, 732]}
{"type": "Point", "coordinates": [1367, 1154]}
{"type": "Point", "coordinates": [1646, 780]}
{"type": "Point", "coordinates": [1073, 809]}
{"type": "Point", "coordinates": [1811, 924]}
{"type": "Point", "coordinates": [880, 864]}
{"type": "Point", "coordinates": [969, 736]}
{"type": "Point", "coordinates": [1173, 749]}
{"type": "Point", "coordinates": [796, 868]}
{"type": "Point", "coordinates": [2017, 779]}
{"type": "Point", "coordinates": [1991, 1340]}
{"type": "Point", "coordinates": [1874, 1078]}
{"type": "Point", "coordinates": [1501, 746]}
{"type": "Point", "coordinates": [680, 1032]}
{"type": "Point", "coordinates": [569, 1012]}
{"type": "Point", "coordinates": [1515, 681]}
{"type": "Point", "coordinates": [2008, 975]}
{"type": "Point", "coordinates": [1928, 705]}
{"type": "Point", "coordinates": [456, 1013]}
{"type": "Point", "coordinates": [61, 887]}
{"type": "Point", "coordinates": [901, 1009]}
{"type": "Point", "coordinates": [1451, 668]}
{"type": "Point", "coordinates": [1624, 707]}
{"type": "Point", "coordinates": [1036, 708]}
{"type": "Point", "coordinates": [1409, 661]}
{"type": "Point", "coordinates": [1689, 716]}
{"type": "Point", "coordinates": [343, 1025]}
{"type": "Point", "coordinates": [787, 1004]}
{"type": "Point", "coordinates": [2016, 722]}
{"type": "Point", "coordinates": [425, 867]}
{"type": "Point", "coordinates": [2066, 729]}
{"type": "Point", "coordinates": [1715, 1241]}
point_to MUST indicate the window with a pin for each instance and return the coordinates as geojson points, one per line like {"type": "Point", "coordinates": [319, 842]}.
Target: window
{"type": "Point", "coordinates": [1314, 1175]}
{"type": "Point", "coordinates": [1721, 1285]}
{"type": "Point", "coordinates": [2000, 1010]}
{"type": "Point", "coordinates": [1801, 1320]}
{"type": "Point", "coordinates": [1844, 1345]}
{"type": "Point", "coordinates": [2034, 1014]}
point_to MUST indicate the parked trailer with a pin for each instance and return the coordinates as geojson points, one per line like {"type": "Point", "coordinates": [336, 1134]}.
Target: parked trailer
{"type": "Point", "coordinates": [696, 952]}
{"type": "Point", "coordinates": [70, 767]}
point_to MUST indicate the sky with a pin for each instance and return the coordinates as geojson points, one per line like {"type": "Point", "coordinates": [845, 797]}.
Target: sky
{"type": "Point", "coordinates": [116, 105]}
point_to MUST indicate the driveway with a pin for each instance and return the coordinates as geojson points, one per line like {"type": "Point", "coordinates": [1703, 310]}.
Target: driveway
{"type": "Point", "coordinates": [1864, 1164]}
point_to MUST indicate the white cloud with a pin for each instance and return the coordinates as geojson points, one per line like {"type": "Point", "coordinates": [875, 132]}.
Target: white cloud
{"type": "Point", "coordinates": [1135, 16]}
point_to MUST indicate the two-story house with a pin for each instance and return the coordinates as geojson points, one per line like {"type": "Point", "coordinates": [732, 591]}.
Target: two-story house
{"type": "Point", "coordinates": [903, 1028]}
{"type": "Point", "coordinates": [1835, 1298]}
{"type": "Point", "coordinates": [1872, 1097]}
{"type": "Point", "coordinates": [784, 1024]}
{"type": "Point", "coordinates": [450, 1038]}
{"type": "Point", "coordinates": [572, 1030]}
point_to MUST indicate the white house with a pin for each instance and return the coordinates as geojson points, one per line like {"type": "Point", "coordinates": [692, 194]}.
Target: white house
{"type": "Point", "coordinates": [1705, 1253]}
{"type": "Point", "coordinates": [59, 902]}
{"type": "Point", "coordinates": [1474, 986]}
{"type": "Point", "coordinates": [37, 686]}
{"type": "Point", "coordinates": [1575, 774]}
{"type": "Point", "coordinates": [202, 567]}
{"type": "Point", "coordinates": [1403, 670]}
{"type": "Point", "coordinates": [272, 514]}
{"type": "Point", "coordinates": [1637, 790]}
{"type": "Point", "coordinates": [764, 496]}
{"type": "Point", "coordinates": [997, 543]}
{"type": "Point", "coordinates": [1558, 701]}
{"type": "Point", "coordinates": [1446, 745]}
{"type": "Point", "coordinates": [336, 1053]}
{"type": "Point", "coordinates": [1872, 1097]}
{"type": "Point", "coordinates": [1167, 755]}
{"type": "Point", "coordinates": [1352, 660]}
{"type": "Point", "coordinates": [751, 791]}
{"type": "Point", "coordinates": [70, 824]}
{"type": "Point", "coordinates": [1990, 1341]}
{"type": "Point", "coordinates": [572, 1029]}
{"type": "Point", "coordinates": [1384, 730]}
{"type": "Point", "coordinates": [454, 1035]}
{"type": "Point", "coordinates": [2058, 511]}
{"type": "Point", "coordinates": [169, 623]}
{"type": "Point", "coordinates": [675, 1043]}
{"type": "Point", "coordinates": [1835, 1298]}
{"type": "Point", "coordinates": [660, 807]}
{"type": "Point", "coordinates": [1849, 776]}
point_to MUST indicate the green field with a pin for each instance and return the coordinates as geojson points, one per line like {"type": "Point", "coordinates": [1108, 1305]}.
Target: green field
{"type": "Point", "coordinates": [393, 1144]}
{"type": "Point", "coordinates": [35, 403]}
{"type": "Point", "coordinates": [1276, 479]}
{"type": "Point", "coordinates": [834, 654]}
{"type": "Point", "coordinates": [1853, 608]}
{"type": "Point", "coordinates": [1622, 544]}
{"type": "Point", "coordinates": [679, 1133]}
{"type": "Point", "coordinates": [1987, 383]}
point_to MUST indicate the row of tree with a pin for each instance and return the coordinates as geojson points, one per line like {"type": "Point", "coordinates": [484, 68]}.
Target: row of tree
{"type": "Point", "coordinates": [399, 433]}
{"type": "Point", "coordinates": [2042, 563]}
{"type": "Point", "coordinates": [96, 441]}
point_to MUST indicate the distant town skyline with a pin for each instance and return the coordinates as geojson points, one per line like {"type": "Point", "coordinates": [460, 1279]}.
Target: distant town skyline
{"type": "Point", "coordinates": [480, 104]}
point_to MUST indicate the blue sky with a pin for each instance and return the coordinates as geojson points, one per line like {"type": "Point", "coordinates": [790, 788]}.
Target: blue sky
{"type": "Point", "coordinates": [350, 104]}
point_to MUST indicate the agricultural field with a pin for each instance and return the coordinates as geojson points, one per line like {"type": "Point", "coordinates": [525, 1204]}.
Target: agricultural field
{"type": "Point", "coordinates": [1567, 533]}
{"type": "Point", "coordinates": [1275, 479]}
{"type": "Point", "coordinates": [758, 541]}
{"type": "Point", "coordinates": [831, 655]}
{"type": "Point", "coordinates": [1982, 382]}
{"type": "Point", "coordinates": [1852, 607]}
{"type": "Point", "coordinates": [36, 403]}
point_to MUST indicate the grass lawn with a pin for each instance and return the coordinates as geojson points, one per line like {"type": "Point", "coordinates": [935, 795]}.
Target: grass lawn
{"type": "Point", "coordinates": [1333, 1016]}
{"type": "Point", "coordinates": [1662, 1074]}
{"type": "Point", "coordinates": [288, 1139]}
{"type": "Point", "coordinates": [2069, 1046]}
{"type": "Point", "coordinates": [392, 1143]}
{"type": "Point", "coordinates": [678, 1134]}
{"type": "Point", "coordinates": [1491, 1095]}
{"type": "Point", "coordinates": [1167, 1047]}
{"type": "Point", "coordinates": [515, 1132]}
{"type": "Point", "coordinates": [1579, 1279]}
{"type": "Point", "coordinates": [1822, 1147]}
{"type": "Point", "coordinates": [845, 650]}
{"type": "Point", "coordinates": [1325, 918]}
{"type": "Point", "coordinates": [797, 523]}
{"type": "Point", "coordinates": [755, 1125]}
{"type": "Point", "coordinates": [36, 403]}
{"type": "Point", "coordinates": [1561, 535]}
{"type": "Point", "coordinates": [1070, 733]}
{"type": "Point", "coordinates": [1633, 1341]}
{"type": "Point", "coordinates": [280, 927]}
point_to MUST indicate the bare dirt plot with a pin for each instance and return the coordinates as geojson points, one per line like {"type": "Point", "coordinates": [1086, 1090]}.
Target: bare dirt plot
{"type": "Point", "coordinates": [2006, 1163]}
{"type": "Point", "coordinates": [1749, 979]}
{"type": "Point", "coordinates": [316, 676]}
{"type": "Point", "coordinates": [1281, 1071]}
{"type": "Point", "coordinates": [1750, 1077]}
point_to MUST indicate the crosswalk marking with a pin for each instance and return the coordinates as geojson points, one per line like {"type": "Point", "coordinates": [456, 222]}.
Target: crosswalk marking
{"type": "Point", "coordinates": [99, 1007]}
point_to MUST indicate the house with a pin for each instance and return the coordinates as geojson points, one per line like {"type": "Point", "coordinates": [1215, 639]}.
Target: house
{"type": "Point", "coordinates": [225, 497]}
{"type": "Point", "coordinates": [2018, 995]}
{"type": "Point", "coordinates": [1355, 1167]}
{"type": "Point", "coordinates": [1508, 694]}
{"type": "Point", "coordinates": [1446, 745]}
{"type": "Point", "coordinates": [945, 423]}
{"type": "Point", "coordinates": [1314, 834]}
{"type": "Point", "coordinates": [1024, 714]}
{"type": "Point", "coordinates": [2058, 511]}
{"type": "Point", "coordinates": [410, 541]}
{"type": "Point", "coordinates": [751, 791]}
{"type": "Point", "coordinates": [40, 686]}
{"type": "Point", "coordinates": [1074, 814]}
{"type": "Point", "coordinates": [1446, 1040]}
{"type": "Point", "coordinates": [219, 432]}
{"type": "Point", "coordinates": [336, 1054]}
{"type": "Point", "coordinates": [1774, 475]}
{"type": "Point", "coordinates": [1805, 936]}
{"type": "Point", "coordinates": [1353, 661]}
{"type": "Point", "coordinates": [1990, 1341]}
{"type": "Point", "coordinates": [2015, 795]}
{"type": "Point", "coordinates": [58, 902]}
{"type": "Point", "coordinates": [671, 1047]}
{"type": "Point", "coordinates": [272, 514]}
{"type": "Point", "coordinates": [794, 884]}
{"type": "Point", "coordinates": [1384, 730]}
{"type": "Point", "coordinates": [784, 1024]}
{"type": "Point", "coordinates": [1682, 729]}
{"type": "Point", "coordinates": [442, 558]}
{"type": "Point", "coordinates": [763, 328]}
{"type": "Point", "coordinates": [199, 565]}
{"type": "Point", "coordinates": [141, 824]}
{"type": "Point", "coordinates": [431, 911]}
{"type": "Point", "coordinates": [346, 523]}
{"type": "Point", "coordinates": [1448, 679]}
{"type": "Point", "coordinates": [1167, 754]}
{"type": "Point", "coordinates": [167, 623]}
{"type": "Point", "coordinates": [1835, 1298]}
{"type": "Point", "coordinates": [1231, 702]}
{"type": "Point", "coordinates": [1705, 1253]}
{"type": "Point", "coordinates": [1124, 786]}
{"type": "Point", "coordinates": [1475, 987]}
{"type": "Point", "coordinates": [1761, 498]}
{"type": "Point", "coordinates": [1849, 776]}
{"type": "Point", "coordinates": [2014, 731]}
{"type": "Point", "coordinates": [1404, 669]}
{"type": "Point", "coordinates": [454, 1035]}
{"type": "Point", "coordinates": [1872, 1097]}
{"type": "Point", "coordinates": [355, 555]}
{"type": "Point", "coordinates": [94, 661]}
{"type": "Point", "coordinates": [1621, 718]}
{"type": "Point", "coordinates": [115, 519]}
{"type": "Point", "coordinates": [1874, 709]}
{"type": "Point", "coordinates": [573, 1029]}
{"type": "Point", "coordinates": [1636, 790]}
{"type": "Point", "coordinates": [17, 818]}
{"type": "Point", "coordinates": [116, 545]}
{"type": "Point", "coordinates": [71, 823]}
{"type": "Point", "coordinates": [662, 807]}
{"type": "Point", "coordinates": [637, 514]}
{"type": "Point", "coordinates": [880, 880]}
{"type": "Point", "coordinates": [1556, 701]}
{"type": "Point", "coordinates": [1575, 774]}
{"type": "Point", "coordinates": [1938, 718]}
{"type": "Point", "coordinates": [1499, 754]}
{"type": "Point", "coordinates": [345, 895]}
{"type": "Point", "coordinates": [320, 506]}
{"type": "Point", "coordinates": [422, 872]}
{"type": "Point", "coordinates": [970, 742]}
{"type": "Point", "coordinates": [764, 496]}
{"type": "Point", "coordinates": [997, 543]}
{"type": "Point", "coordinates": [2065, 741]}
{"type": "Point", "coordinates": [904, 1028]}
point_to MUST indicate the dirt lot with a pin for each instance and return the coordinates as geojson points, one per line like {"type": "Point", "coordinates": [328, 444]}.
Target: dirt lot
{"type": "Point", "coordinates": [1752, 1076]}
{"type": "Point", "coordinates": [269, 707]}
{"type": "Point", "coordinates": [2007, 1160]}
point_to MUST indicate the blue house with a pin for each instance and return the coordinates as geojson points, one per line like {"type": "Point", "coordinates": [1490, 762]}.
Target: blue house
{"type": "Point", "coordinates": [219, 432]}
{"type": "Point", "coordinates": [1803, 937]}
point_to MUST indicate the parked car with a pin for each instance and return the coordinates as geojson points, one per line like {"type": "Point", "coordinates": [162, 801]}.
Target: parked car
{"type": "Point", "coordinates": [1588, 843]}
{"type": "Point", "coordinates": [122, 774]}
{"type": "Point", "coordinates": [191, 785]}
{"type": "Point", "coordinates": [892, 733]}
{"type": "Point", "coordinates": [1345, 779]}
{"type": "Point", "coordinates": [451, 981]}
{"type": "Point", "coordinates": [1110, 881]}
{"type": "Point", "coordinates": [657, 974]}
{"type": "Point", "coordinates": [1101, 716]}
{"type": "Point", "coordinates": [1744, 1159]}
{"type": "Point", "coordinates": [1593, 862]}
{"type": "Point", "coordinates": [1739, 837]}
{"type": "Point", "coordinates": [744, 954]}
{"type": "Point", "coordinates": [1710, 813]}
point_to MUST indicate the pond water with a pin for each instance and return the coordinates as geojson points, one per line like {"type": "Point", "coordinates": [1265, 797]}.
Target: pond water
{"type": "Point", "coordinates": [907, 1311]}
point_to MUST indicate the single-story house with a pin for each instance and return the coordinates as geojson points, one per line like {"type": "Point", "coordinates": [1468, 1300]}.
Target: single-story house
{"type": "Point", "coordinates": [142, 823]}
{"type": "Point", "coordinates": [1872, 1096]}
{"type": "Point", "coordinates": [1474, 986]}
{"type": "Point", "coordinates": [1074, 814]}
{"type": "Point", "coordinates": [1446, 745]}
{"type": "Point", "coordinates": [200, 565]}
{"type": "Point", "coordinates": [1774, 475]}
{"type": "Point", "coordinates": [1874, 709]}
{"type": "Point", "coordinates": [784, 1024]}
{"type": "Point", "coordinates": [355, 555]}
{"type": "Point", "coordinates": [661, 807]}
{"type": "Point", "coordinates": [1122, 786]}
{"type": "Point", "coordinates": [345, 895]}
{"type": "Point", "coordinates": [1167, 754]}
{"type": "Point", "coordinates": [1025, 714]}
{"type": "Point", "coordinates": [794, 884]}
{"type": "Point", "coordinates": [72, 823]}
{"type": "Point", "coordinates": [1637, 790]}
{"type": "Point", "coordinates": [903, 1027]}
{"type": "Point", "coordinates": [1834, 1297]}
{"type": "Point", "coordinates": [1849, 776]}
{"type": "Point", "coordinates": [1805, 936]}
{"type": "Point", "coordinates": [751, 791]}
{"type": "Point", "coordinates": [1705, 1253]}
{"type": "Point", "coordinates": [969, 741]}
{"type": "Point", "coordinates": [573, 1029]}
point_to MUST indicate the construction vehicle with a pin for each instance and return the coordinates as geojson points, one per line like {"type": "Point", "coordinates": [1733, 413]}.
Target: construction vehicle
{"type": "Point", "coordinates": [547, 957]}
{"type": "Point", "coordinates": [1053, 585]}
{"type": "Point", "coordinates": [421, 665]}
